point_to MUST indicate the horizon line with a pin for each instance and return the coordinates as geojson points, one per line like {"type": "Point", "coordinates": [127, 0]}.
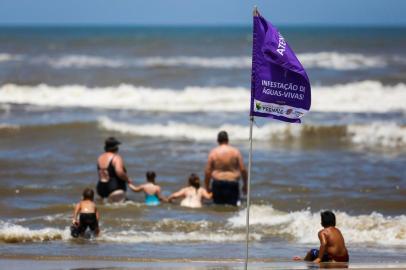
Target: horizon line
{"type": "Point", "coordinates": [210, 25]}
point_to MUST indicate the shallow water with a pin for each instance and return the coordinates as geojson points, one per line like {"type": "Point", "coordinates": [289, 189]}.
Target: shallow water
{"type": "Point", "coordinates": [165, 93]}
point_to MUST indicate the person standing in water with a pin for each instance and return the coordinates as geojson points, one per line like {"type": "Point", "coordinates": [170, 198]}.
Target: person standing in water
{"type": "Point", "coordinates": [225, 166]}
{"type": "Point", "coordinates": [192, 194]}
{"type": "Point", "coordinates": [113, 178]}
{"type": "Point", "coordinates": [151, 189]}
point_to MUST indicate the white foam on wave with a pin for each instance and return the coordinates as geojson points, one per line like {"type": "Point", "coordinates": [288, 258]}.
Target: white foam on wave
{"type": "Point", "coordinates": [5, 57]}
{"type": "Point", "coordinates": [383, 134]}
{"type": "Point", "coordinates": [13, 233]}
{"type": "Point", "coordinates": [365, 96]}
{"type": "Point", "coordinates": [9, 127]}
{"type": "Point", "coordinates": [130, 97]}
{"type": "Point", "coordinates": [134, 236]}
{"type": "Point", "coordinates": [304, 225]}
{"type": "Point", "coordinates": [375, 134]}
{"type": "Point", "coordinates": [82, 61]}
{"type": "Point", "coordinates": [195, 61]}
{"type": "Point", "coordinates": [340, 61]}
{"type": "Point", "coordinates": [328, 60]}
{"type": "Point", "coordinates": [89, 61]}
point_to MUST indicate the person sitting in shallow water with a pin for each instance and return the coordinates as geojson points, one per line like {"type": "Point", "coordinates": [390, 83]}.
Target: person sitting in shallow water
{"type": "Point", "coordinates": [332, 246]}
{"type": "Point", "coordinates": [192, 194]}
{"type": "Point", "coordinates": [151, 189]}
{"type": "Point", "coordinates": [85, 215]}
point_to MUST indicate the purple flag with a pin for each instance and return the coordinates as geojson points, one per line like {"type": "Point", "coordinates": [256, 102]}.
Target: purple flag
{"type": "Point", "coordinates": [280, 88]}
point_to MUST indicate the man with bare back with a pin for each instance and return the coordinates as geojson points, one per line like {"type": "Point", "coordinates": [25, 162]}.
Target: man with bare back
{"type": "Point", "coordinates": [225, 167]}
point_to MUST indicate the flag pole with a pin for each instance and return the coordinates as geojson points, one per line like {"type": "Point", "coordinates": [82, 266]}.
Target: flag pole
{"type": "Point", "coordinates": [248, 194]}
{"type": "Point", "coordinates": [247, 218]}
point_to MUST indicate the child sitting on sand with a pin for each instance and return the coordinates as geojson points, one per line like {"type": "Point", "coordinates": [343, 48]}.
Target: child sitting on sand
{"type": "Point", "coordinates": [332, 246]}
{"type": "Point", "coordinates": [85, 215]}
{"type": "Point", "coordinates": [151, 189]}
{"type": "Point", "coordinates": [192, 194]}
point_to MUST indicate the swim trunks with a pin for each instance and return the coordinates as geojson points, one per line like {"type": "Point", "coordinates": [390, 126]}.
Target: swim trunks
{"type": "Point", "coordinates": [225, 192]}
{"type": "Point", "coordinates": [314, 254]}
{"type": "Point", "coordinates": [87, 220]}
{"type": "Point", "coordinates": [151, 199]}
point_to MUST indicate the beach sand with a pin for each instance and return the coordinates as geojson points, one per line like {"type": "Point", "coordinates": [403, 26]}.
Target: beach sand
{"type": "Point", "coordinates": [17, 262]}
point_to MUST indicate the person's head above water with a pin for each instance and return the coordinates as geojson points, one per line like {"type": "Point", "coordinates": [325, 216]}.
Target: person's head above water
{"type": "Point", "coordinates": [328, 219]}
{"type": "Point", "coordinates": [150, 176]}
{"type": "Point", "coordinates": [194, 181]}
{"type": "Point", "coordinates": [88, 194]}
{"type": "Point", "coordinates": [111, 144]}
{"type": "Point", "coordinates": [222, 137]}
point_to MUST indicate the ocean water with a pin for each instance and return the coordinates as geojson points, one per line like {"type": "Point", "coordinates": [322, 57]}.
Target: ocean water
{"type": "Point", "coordinates": [165, 92]}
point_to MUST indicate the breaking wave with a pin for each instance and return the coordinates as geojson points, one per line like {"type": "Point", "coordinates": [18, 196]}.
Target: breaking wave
{"type": "Point", "coordinates": [5, 57]}
{"type": "Point", "coordinates": [304, 225]}
{"type": "Point", "coordinates": [13, 233]}
{"type": "Point", "coordinates": [341, 61]}
{"type": "Point", "coordinates": [375, 134]}
{"type": "Point", "coordinates": [326, 60]}
{"type": "Point", "coordinates": [365, 96]}
{"type": "Point", "coordinates": [297, 226]}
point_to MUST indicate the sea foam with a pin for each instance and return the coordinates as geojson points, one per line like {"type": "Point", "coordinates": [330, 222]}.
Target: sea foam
{"type": "Point", "coordinates": [13, 233]}
{"type": "Point", "coordinates": [356, 97]}
{"type": "Point", "coordinates": [304, 225]}
{"type": "Point", "coordinates": [5, 57]}
{"type": "Point", "coordinates": [375, 134]}
{"type": "Point", "coordinates": [326, 60]}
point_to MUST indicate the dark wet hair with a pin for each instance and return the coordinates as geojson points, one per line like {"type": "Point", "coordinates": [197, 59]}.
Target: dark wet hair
{"type": "Point", "coordinates": [88, 194]}
{"type": "Point", "coordinates": [327, 219]}
{"type": "Point", "coordinates": [111, 144]}
{"type": "Point", "coordinates": [222, 137]}
{"type": "Point", "coordinates": [150, 176]}
{"type": "Point", "coordinates": [194, 181]}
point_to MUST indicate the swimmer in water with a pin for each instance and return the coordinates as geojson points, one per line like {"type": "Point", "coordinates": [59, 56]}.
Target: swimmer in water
{"type": "Point", "coordinates": [151, 189]}
{"type": "Point", "coordinates": [192, 194]}
{"type": "Point", "coordinates": [85, 215]}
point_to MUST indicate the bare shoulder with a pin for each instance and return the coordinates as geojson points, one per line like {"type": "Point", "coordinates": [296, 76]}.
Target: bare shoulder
{"type": "Point", "coordinates": [214, 150]}
{"type": "Point", "coordinates": [322, 232]}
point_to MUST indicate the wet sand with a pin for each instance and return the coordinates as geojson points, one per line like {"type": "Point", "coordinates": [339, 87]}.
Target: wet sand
{"type": "Point", "coordinates": [17, 262]}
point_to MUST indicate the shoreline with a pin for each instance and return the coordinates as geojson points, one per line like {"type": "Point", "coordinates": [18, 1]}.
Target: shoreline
{"type": "Point", "coordinates": [39, 262]}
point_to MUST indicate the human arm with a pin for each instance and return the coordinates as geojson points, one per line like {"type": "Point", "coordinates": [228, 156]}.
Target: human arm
{"type": "Point", "coordinates": [97, 213]}
{"type": "Point", "coordinates": [178, 194]}
{"type": "Point", "coordinates": [206, 195]}
{"type": "Point", "coordinates": [76, 212]}
{"type": "Point", "coordinates": [244, 173]}
{"type": "Point", "coordinates": [323, 246]}
{"type": "Point", "coordinates": [136, 188]}
{"type": "Point", "coordinates": [160, 197]}
{"type": "Point", "coordinates": [208, 171]}
{"type": "Point", "coordinates": [121, 172]}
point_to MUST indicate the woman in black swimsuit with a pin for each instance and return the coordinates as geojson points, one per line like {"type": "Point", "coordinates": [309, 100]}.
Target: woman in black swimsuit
{"type": "Point", "coordinates": [113, 178]}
